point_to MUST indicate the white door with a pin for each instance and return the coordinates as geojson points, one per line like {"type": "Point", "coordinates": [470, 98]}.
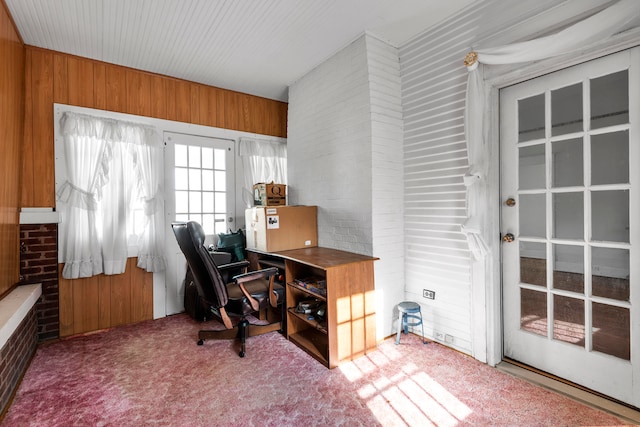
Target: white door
{"type": "Point", "coordinates": [199, 184]}
{"type": "Point", "coordinates": [570, 209]}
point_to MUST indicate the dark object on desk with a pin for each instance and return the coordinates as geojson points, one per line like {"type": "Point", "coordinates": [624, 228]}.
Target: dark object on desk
{"type": "Point", "coordinates": [247, 293]}
{"type": "Point", "coordinates": [233, 243]}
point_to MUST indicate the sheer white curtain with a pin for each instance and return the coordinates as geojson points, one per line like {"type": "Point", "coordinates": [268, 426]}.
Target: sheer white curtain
{"type": "Point", "coordinates": [620, 16]}
{"type": "Point", "coordinates": [106, 161]}
{"type": "Point", "coordinates": [263, 161]}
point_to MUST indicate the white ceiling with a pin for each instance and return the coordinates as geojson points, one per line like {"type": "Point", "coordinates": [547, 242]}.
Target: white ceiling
{"type": "Point", "coordinates": [259, 47]}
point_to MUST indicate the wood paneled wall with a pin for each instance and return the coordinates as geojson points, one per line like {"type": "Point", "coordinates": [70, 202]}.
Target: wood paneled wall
{"type": "Point", "coordinates": [102, 302]}
{"type": "Point", "coordinates": [12, 63]}
{"type": "Point", "coordinates": [53, 77]}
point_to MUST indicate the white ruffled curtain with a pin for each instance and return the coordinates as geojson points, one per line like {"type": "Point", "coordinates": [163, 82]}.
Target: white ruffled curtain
{"type": "Point", "coordinates": [598, 27]}
{"type": "Point", "coordinates": [263, 161]}
{"type": "Point", "coordinates": [105, 160]}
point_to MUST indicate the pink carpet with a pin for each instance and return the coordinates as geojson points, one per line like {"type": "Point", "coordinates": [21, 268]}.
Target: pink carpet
{"type": "Point", "coordinates": [153, 374]}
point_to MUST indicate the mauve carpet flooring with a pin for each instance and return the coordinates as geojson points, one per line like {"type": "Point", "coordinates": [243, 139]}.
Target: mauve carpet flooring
{"type": "Point", "coordinates": [154, 374]}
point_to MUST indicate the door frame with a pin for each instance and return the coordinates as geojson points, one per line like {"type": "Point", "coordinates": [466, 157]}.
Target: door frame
{"type": "Point", "coordinates": [486, 277]}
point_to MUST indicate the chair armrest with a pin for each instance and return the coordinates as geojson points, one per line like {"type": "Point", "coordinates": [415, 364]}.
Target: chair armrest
{"type": "Point", "coordinates": [233, 265]}
{"type": "Point", "coordinates": [257, 274]}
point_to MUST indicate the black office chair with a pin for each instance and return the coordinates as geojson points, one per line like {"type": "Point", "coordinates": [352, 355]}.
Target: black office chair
{"type": "Point", "coordinates": [245, 294]}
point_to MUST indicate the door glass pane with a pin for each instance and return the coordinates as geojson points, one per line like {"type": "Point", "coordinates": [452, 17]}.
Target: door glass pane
{"type": "Point", "coordinates": [533, 263]}
{"type": "Point", "coordinates": [219, 159]}
{"type": "Point", "coordinates": [532, 210]}
{"type": "Point", "coordinates": [567, 163]}
{"type": "Point", "coordinates": [220, 180]}
{"type": "Point", "coordinates": [182, 179]}
{"type": "Point", "coordinates": [610, 158]}
{"type": "Point", "coordinates": [610, 100]}
{"type": "Point", "coordinates": [611, 330]}
{"type": "Point", "coordinates": [207, 202]}
{"type": "Point", "coordinates": [610, 273]}
{"type": "Point", "coordinates": [195, 179]}
{"type": "Point", "coordinates": [568, 268]}
{"type": "Point", "coordinates": [207, 158]}
{"type": "Point", "coordinates": [531, 118]}
{"type": "Point", "coordinates": [568, 320]}
{"type": "Point", "coordinates": [182, 201]}
{"type": "Point", "coordinates": [568, 216]}
{"type": "Point", "coordinates": [566, 110]}
{"type": "Point", "coordinates": [194, 156]}
{"type": "Point", "coordinates": [533, 311]}
{"type": "Point", "coordinates": [531, 167]}
{"type": "Point", "coordinates": [195, 202]}
{"type": "Point", "coordinates": [610, 216]}
{"type": "Point", "coordinates": [181, 155]}
{"type": "Point", "coordinates": [207, 180]}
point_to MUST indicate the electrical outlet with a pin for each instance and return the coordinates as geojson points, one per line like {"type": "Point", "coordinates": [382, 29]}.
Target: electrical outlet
{"type": "Point", "coordinates": [439, 336]}
{"type": "Point", "coordinates": [448, 339]}
{"type": "Point", "coordinates": [428, 294]}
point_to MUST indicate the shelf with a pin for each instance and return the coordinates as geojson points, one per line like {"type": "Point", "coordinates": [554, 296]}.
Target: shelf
{"type": "Point", "coordinates": [272, 263]}
{"type": "Point", "coordinates": [313, 343]}
{"type": "Point", "coordinates": [320, 326]}
{"type": "Point", "coordinates": [307, 291]}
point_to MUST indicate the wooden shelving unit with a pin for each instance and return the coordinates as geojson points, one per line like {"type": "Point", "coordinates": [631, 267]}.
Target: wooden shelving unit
{"type": "Point", "coordinates": [347, 330]}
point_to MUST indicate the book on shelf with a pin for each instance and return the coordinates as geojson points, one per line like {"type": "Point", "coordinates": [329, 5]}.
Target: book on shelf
{"type": "Point", "coordinates": [314, 284]}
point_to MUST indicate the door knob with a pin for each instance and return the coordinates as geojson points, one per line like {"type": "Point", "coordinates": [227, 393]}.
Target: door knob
{"type": "Point", "coordinates": [508, 238]}
{"type": "Point", "coordinates": [511, 202]}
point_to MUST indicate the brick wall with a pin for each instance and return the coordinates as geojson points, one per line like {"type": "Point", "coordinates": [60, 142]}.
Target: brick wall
{"type": "Point", "coordinates": [39, 264]}
{"type": "Point", "coordinates": [15, 356]}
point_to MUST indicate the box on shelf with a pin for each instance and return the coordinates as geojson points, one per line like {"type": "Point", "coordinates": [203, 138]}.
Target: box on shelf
{"type": "Point", "coordinates": [280, 228]}
{"type": "Point", "coordinates": [269, 194]}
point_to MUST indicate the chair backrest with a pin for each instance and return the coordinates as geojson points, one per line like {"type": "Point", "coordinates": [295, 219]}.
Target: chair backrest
{"type": "Point", "coordinates": [190, 236]}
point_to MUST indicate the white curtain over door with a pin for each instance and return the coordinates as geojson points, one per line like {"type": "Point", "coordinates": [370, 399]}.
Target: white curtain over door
{"type": "Point", "coordinates": [620, 16]}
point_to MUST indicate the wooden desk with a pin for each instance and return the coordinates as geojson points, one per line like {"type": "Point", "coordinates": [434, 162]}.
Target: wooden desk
{"type": "Point", "coordinates": [349, 330]}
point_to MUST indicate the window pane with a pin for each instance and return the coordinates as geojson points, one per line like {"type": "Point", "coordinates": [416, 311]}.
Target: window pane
{"type": "Point", "coordinates": [533, 311]}
{"type": "Point", "coordinates": [208, 224]}
{"type": "Point", "coordinates": [533, 263]}
{"type": "Point", "coordinates": [207, 158]}
{"type": "Point", "coordinates": [182, 217]}
{"type": "Point", "coordinates": [532, 210]}
{"type": "Point", "coordinates": [568, 216]}
{"type": "Point", "coordinates": [195, 179]}
{"type": "Point", "coordinates": [612, 330]}
{"type": "Point", "coordinates": [531, 118]}
{"type": "Point", "coordinates": [568, 268]}
{"type": "Point", "coordinates": [610, 158]}
{"type": "Point", "coordinates": [219, 159]}
{"type": "Point", "coordinates": [531, 172]}
{"type": "Point", "coordinates": [566, 110]}
{"type": "Point", "coordinates": [221, 180]}
{"type": "Point", "coordinates": [220, 203]}
{"type": "Point", "coordinates": [610, 100]}
{"type": "Point", "coordinates": [610, 216]}
{"type": "Point", "coordinates": [220, 220]}
{"type": "Point", "coordinates": [181, 155]}
{"type": "Point", "coordinates": [195, 202]}
{"type": "Point", "coordinates": [568, 320]}
{"type": "Point", "coordinates": [567, 163]}
{"type": "Point", "coordinates": [182, 202]}
{"type": "Point", "coordinates": [207, 202]}
{"type": "Point", "coordinates": [182, 179]}
{"type": "Point", "coordinates": [207, 180]}
{"type": "Point", "coordinates": [610, 273]}
{"type": "Point", "coordinates": [194, 156]}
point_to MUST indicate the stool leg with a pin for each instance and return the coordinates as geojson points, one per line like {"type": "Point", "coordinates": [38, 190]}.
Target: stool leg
{"type": "Point", "coordinates": [405, 325]}
{"type": "Point", "coordinates": [399, 327]}
{"type": "Point", "coordinates": [422, 324]}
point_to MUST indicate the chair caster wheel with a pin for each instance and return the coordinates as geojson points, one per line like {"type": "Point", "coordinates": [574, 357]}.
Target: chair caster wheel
{"type": "Point", "coordinates": [200, 342]}
{"type": "Point", "coordinates": [241, 354]}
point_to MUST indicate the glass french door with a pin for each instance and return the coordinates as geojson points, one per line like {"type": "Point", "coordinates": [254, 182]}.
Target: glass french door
{"type": "Point", "coordinates": [199, 181]}
{"type": "Point", "coordinates": [570, 204]}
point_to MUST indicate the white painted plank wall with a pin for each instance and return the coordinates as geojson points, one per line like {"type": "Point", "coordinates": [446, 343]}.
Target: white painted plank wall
{"type": "Point", "coordinates": [435, 157]}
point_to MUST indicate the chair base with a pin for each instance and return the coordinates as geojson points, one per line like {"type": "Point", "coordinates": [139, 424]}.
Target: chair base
{"type": "Point", "coordinates": [236, 332]}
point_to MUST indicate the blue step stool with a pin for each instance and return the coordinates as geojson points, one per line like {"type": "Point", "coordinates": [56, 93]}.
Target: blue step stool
{"type": "Point", "coordinates": [407, 317]}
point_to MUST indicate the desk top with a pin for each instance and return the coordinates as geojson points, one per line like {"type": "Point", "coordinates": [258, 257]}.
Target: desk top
{"type": "Point", "coordinates": [319, 257]}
